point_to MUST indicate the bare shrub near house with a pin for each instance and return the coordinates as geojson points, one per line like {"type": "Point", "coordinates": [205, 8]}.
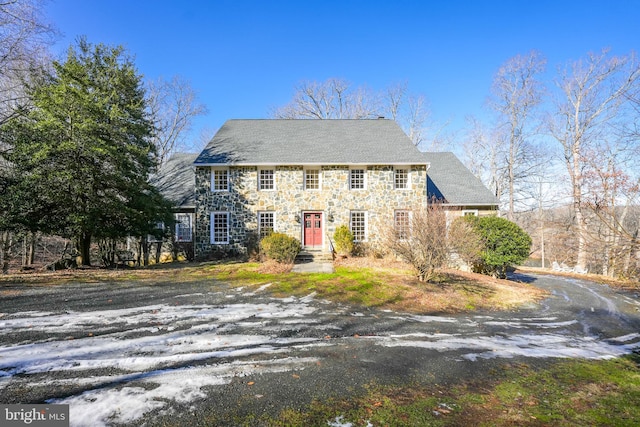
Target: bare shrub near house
{"type": "Point", "coordinates": [421, 239]}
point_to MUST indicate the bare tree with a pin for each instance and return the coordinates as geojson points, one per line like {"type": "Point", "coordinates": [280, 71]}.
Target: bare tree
{"type": "Point", "coordinates": [338, 99]}
{"type": "Point", "coordinates": [516, 92]}
{"type": "Point", "coordinates": [24, 39]}
{"type": "Point", "coordinates": [421, 239]}
{"type": "Point", "coordinates": [173, 105]}
{"type": "Point", "coordinates": [612, 189]}
{"type": "Point", "coordinates": [593, 94]}
{"type": "Point", "coordinates": [483, 155]}
{"type": "Point", "coordinates": [332, 99]}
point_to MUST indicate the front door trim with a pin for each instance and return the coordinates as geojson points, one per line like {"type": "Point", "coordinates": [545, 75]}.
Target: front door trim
{"type": "Point", "coordinates": [313, 229]}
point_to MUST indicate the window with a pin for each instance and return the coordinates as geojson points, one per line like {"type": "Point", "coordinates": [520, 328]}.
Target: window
{"type": "Point", "coordinates": [265, 223]}
{"type": "Point", "coordinates": [312, 179]}
{"type": "Point", "coordinates": [183, 227]}
{"type": "Point", "coordinates": [266, 179]}
{"type": "Point", "coordinates": [157, 233]}
{"type": "Point", "coordinates": [401, 179]}
{"type": "Point", "coordinates": [356, 179]}
{"type": "Point", "coordinates": [357, 223]}
{"type": "Point", "coordinates": [470, 212]}
{"type": "Point", "coordinates": [219, 180]}
{"type": "Point", "coordinates": [402, 221]}
{"type": "Point", "coordinates": [219, 228]}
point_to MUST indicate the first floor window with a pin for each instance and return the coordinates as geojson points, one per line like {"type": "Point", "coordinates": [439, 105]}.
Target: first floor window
{"type": "Point", "coordinates": [157, 233]}
{"type": "Point", "coordinates": [183, 227]}
{"type": "Point", "coordinates": [265, 223]}
{"type": "Point", "coordinates": [219, 228]}
{"type": "Point", "coordinates": [219, 180]}
{"type": "Point", "coordinates": [358, 225]}
{"type": "Point", "coordinates": [356, 179]}
{"type": "Point", "coordinates": [471, 212]}
{"type": "Point", "coordinates": [402, 223]}
{"type": "Point", "coordinates": [266, 179]}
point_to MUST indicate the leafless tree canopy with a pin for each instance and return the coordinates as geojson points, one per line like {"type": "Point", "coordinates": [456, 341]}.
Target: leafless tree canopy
{"type": "Point", "coordinates": [516, 93]}
{"type": "Point", "coordinates": [24, 38]}
{"type": "Point", "coordinates": [172, 105]}
{"type": "Point", "coordinates": [424, 244]}
{"type": "Point", "coordinates": [338, 99]}
{"type": "Point", "coordinates": [595, 95]}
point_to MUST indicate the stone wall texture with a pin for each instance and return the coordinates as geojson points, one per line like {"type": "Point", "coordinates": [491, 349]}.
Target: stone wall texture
{"type": "Point", "coordinates": [289, 200]}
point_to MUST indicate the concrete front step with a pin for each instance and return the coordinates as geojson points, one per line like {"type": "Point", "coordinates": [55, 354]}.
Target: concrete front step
{"type": "Point", "coordinates": [311, 255]}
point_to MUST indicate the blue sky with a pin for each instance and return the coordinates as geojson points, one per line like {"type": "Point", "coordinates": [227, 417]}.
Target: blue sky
{"type": "Point", "coordinates": [245, 57]}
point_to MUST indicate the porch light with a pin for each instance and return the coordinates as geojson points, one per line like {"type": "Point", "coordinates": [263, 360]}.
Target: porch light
{"type": "Point", "coordinates": [297, 217]}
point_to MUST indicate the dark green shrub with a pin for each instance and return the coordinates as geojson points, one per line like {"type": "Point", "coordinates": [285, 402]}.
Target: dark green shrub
{"type": "Point", "coordinates": [343, 240]}
{"type": "Point", "coordinates": [280, 247]}
{"type": "Point", "coordinates": [503, 244]}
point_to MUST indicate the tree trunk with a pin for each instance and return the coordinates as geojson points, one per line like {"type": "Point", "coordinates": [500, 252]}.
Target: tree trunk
{"type": "Point", "coordinates": [158, 252]}
{"type": "Point", "coordinates": [83, 245]}
{"type": "Point", "coordinates": [6, 242]}
{"type": "Point", "coordinates": [31, 255]}
{"type": "Point", "coordinates": [145, 251]}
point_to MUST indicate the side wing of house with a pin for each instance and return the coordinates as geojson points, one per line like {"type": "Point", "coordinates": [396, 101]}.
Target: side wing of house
{"type": "Point", "coordinates": [451, 183]}
{"type": "Point", "coordinates": [176, 181]}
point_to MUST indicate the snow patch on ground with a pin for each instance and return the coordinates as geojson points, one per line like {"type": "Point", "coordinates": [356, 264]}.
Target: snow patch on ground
{"type": "Point", "coordinates": [153, 390]}
{"type": "Point", "coordinates": [527, 345]}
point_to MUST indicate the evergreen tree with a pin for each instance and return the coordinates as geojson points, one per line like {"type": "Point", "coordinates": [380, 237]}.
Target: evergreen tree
{"type": "Point", "coordinates": [84, 152]}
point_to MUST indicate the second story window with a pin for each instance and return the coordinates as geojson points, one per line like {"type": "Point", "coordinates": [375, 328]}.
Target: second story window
{"type": "Point", "coordinates": [266, 179]}
{"type": "Point", "coordinates": [312, 179]}
{"type": "Point", "coordinates": [401, 178]}
{"type": "Point", "coordinates": [356, 179]}
{"type": "Point", "coordinates": [219, 180]}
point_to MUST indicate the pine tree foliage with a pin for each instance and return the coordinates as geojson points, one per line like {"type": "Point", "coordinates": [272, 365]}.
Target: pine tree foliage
{"type": "Point", "coordinates": [83, 152]}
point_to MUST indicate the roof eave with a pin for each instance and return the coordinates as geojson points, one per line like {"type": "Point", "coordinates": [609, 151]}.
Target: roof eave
{"type": "Point", "coordinates": [312, 164]}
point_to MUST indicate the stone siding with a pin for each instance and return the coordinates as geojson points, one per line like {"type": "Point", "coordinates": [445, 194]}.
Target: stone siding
{"type": "Point", "coordinates": [289, 200]}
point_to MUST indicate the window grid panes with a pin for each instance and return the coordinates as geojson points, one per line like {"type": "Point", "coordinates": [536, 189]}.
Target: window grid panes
{"type": "Point", "coordinates": [220, 227]}
{"type": "Point", "coordinates": [402, 178]}
{"type": "Point", "coordinates": [265, 223]}
{"type": "Point", "coordinates": [312, 179]}
{"type": "Point", "coordinates": [358, 226]}
{"type": "Point", "coordinates": [183, 227]}
{"type": "Point", "coordinates": [356, 179]}
{"type": "Point", "coordinates": [402, 223]}
{"type": "Point", "coordinates": [266, 181]}
{"type": "Point", "coordinates": [220, 180]}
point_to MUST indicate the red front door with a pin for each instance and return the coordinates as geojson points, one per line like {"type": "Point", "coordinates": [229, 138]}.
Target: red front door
{"type": "Point", "coordinates": [313, 229]}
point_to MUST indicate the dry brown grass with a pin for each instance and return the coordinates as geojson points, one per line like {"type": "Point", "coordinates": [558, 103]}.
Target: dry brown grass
{"type": "Point", "coordinates": [385, 283]}
{"type": "Point", "coordinates": [452, 291]}
{"type": "Point", "coordinates": [274, 267]}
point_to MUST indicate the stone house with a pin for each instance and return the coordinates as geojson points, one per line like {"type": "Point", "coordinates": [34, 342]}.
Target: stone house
{"type": "Point", "coordinates": [305, 178]}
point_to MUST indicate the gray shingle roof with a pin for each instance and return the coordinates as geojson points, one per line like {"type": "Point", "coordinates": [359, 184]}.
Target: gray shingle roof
{"type": "Point", "coordinates": [300, 142]}
{"type": "Point", "coordinates": [176, 180]}
{"type": "Point", "coordinates": [450, 180]}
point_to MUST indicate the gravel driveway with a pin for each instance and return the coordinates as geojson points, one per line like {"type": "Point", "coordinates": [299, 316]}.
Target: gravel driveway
{"type": "Point", "coordinates": [138, 354]}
